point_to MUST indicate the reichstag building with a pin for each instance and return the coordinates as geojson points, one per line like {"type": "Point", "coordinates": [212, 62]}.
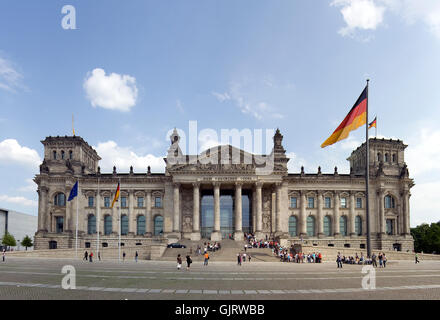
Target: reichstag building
{"type": "Point", "coordinates": [223, 192]}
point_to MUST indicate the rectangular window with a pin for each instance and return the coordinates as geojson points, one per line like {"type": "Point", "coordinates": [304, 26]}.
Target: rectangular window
{"type": "Point", "coordinates": [328, 202]}
{"type": "Point", "coordinates": [358, 203]}
{"type": "Point", "coordinates": [107, 202]}
{"type": "Point", "coordinates": [311, 203]}
{"type": "Point", "coordinates": [91, 201]}
{"type": "Point", "coordinates": [343, 202]}
{"type": "Point", "coordinates": [293, 202]}
{"type": "Point", "coordinates": [158, 202]}
{"type": "Point", "coordinates": [390, 226]}
{"type": "Point", "coordinates": [59, 224]}
{"type": "Point", "coordinates": [140, 202]}
{"type": "Point", "coordinates": [123, 202]}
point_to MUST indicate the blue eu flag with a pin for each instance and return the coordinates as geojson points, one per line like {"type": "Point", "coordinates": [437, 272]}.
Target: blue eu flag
{"type": "Point", "coordinates": [73, 192]}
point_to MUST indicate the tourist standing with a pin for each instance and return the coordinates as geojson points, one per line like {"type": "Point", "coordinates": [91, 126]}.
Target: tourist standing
{"type": "Point", "coordinates": [249, 257]}
{"type": "Point", "coordinates": [123, 256]}
{"type": "Point", "coordinates": [136, 256]}
{"type": "Point", "coordinates": [91, 257]}
{"type": "Point", "coordinates": [4, 255]}
{"type": "Point", "coordinates": [339, 260]}
{"type": "Point", "coordinates": [417, 258]}
{"type": "Point", "coordinates": [179, 262]}
{"type": "Point", "coordinates": [384, 260]}
{"type": "Point", "coordinates": [239, 259]}
{"type": "Point", "coordinates": [99, 255]}
{"type": "Point", "coordinates": [373, 260]}
{"type": "Point", "coordinates": [86, 256]}
{"type": "Point", "coordinates": [380, 260]}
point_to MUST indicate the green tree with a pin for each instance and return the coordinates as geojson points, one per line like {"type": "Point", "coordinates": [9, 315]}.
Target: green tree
{"type": "Point", "coordinates": [9, 240]}
{"type": "Point", "coordinates": [27, 242]}
{"type": "Point", "coordinates": [427, 238]}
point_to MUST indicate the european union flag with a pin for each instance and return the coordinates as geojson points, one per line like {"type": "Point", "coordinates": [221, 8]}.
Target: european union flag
{"type": "Point", "coordinates": [73, 192]}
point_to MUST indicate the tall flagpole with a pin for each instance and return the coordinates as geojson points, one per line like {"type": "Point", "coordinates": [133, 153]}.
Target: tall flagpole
{"type": "Point", "coordinates": [376, 127]}
{"type": "Point", "coordinates": [367, 176]}
{"type": "Point", "coordinates": [98, 204]}
{"type": "Point", "coordinates": [119, 241]}
{"type": "Point", "coordinates": [76, 232]}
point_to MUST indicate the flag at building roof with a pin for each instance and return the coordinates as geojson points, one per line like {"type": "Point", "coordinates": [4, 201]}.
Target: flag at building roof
{"type": "Point", "coordinates": [354, 119]}
{"type": "Point", "coordinates": [116, 196]}
{"type": "Point", "coordinates": [373, 124]}
{"type": "Point", "coordinates": [73, 192]}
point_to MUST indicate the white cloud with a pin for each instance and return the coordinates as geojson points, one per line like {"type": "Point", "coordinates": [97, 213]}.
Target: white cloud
{"type": "Point", "coordinates": [423, 153]}
{"type": "Point", "coordinates": [179, 106]}
{"type": "Point", "coordinates": [9, 77]}
{"type": "Point", "coordinates": [29, 187]}
{"type": "Point", "coordinates": [360, 14]}
{"type": "Point", "coordinates": [244, 94]}
{"type": "Point", "coordinates": [424, 203]}
{"type": "Point", "coordinates": [18, 200]}
{"type": "Point", "coordinates": [11, 153]}
{"type": "Point", "coordinates": [115, 91]}
{"type": "Point", "coordinates": [124, 157]}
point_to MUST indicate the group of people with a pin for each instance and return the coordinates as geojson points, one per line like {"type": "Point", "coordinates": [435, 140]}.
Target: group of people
{"type": "Point", "coordinates": [340, 259]}
{"type": "Point", "coordinates": [300, 257]}
{"type": "Point", "coordinates": [241, 257]}
{"type": "Point", "coordinates": [189, 261]}
{"type": "Point", "coordinates": [208, 247]}
{"type": "Point", "coordinates": [89, 256]}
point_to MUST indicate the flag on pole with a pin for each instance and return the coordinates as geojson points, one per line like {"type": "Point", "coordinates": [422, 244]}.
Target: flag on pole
{"type": "Point", "coordinates": [116, 196]}
{"type": "Point", "coordinates": [73, 192]}
{"type": "Point", "coordinates": [373, 123]}
{"type": "Point", "coordinates": [354, 119]}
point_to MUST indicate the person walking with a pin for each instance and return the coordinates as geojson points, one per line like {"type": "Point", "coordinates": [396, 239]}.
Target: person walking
{"type": "Point", "coordinates": [188, 262]}
{"type": "Point", "coordinates": [86, 256]}
{"type": "Point", "coordinates": [123, 256]}
{"type": "Point", "coordinates": [380, 259]}
{"type": "Point", "coordinates": [249, 257]}
{"type": "Point", "coordinates": [99, 255]}
{"type": "Point", "coordinates": [417, 258]}
{"type": "Point", "coordinates": [136, 255]}
{"type": "Point", "coordinates": [239, 259]}
{"type": "Point", "coordinates": [339, 260]}
{"type": "Point", "coordinates": [244, 257]}
{"type": "Point", "coordinates": [179, 262]}
{"type": "Point", "coordinates": [4, 255]}
{"type": "Point", "coordinates": [384, 260]}
{"type": "Point", "coordinates": [91, 257]}
{"type": "Point", "coordinates": [205, 263]}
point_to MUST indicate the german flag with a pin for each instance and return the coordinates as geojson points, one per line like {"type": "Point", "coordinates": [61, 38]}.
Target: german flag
{"type": "Point", "coordinates": [373, 124]}
{"type": "Point", "coordinates": [354, 119]}
{"type": "Point", "coordinates": [116, 196]}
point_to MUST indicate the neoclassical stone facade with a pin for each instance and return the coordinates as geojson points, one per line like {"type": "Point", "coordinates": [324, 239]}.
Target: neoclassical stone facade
{"type": "Point", "coordinates": [223, 192]}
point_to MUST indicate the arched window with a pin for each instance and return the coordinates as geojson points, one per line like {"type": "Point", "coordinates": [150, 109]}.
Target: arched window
{"type": "Point", "coordinates": [62, 154]}
{"type": "Point", "coordinates": [293, 229]}
{"type": "Point", "coordinates": [91, 224]}
{"type": "Point", "coordinates": [54, 155]}
{"type": "Point", "coordinates": [158, 225]}
{"type": "Point", "coordinates": [394, 158]}
{"type": "Point", "coordinates": [327, 226]}
{"type": "Point", "coordinates": [343, 225]}
{"type": "Point", "coordinates": [71, 155]}
{"type": "Point", "coordinates": [310, 226]}
{"type": "Point", "coordinates": [358, 225]}
{"type": "Point", "coordinates": [107, 225]}
{"type": "Point", "coordinates": [124, 225]}
{"type": "Point", "coordinates": [389, 202]}
{"type": "Point", "coordinates": [379, 157]}
{"type": "Point", "coordinates": [140, 225]}
{"type": "Point", "coordinates": [387, 157]}
{"type": "Point", "coordinates": [60, 200]}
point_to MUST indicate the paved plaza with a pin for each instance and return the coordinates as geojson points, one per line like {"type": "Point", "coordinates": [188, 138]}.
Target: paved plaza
{"type": "Point", "coordinates": [24, 278]}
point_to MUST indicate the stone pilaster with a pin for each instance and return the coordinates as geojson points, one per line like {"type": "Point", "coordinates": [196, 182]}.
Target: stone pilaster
{"type": "Point", "coordinates": [149, 216]}
{"type": "Point", "coordinates": [176, 202]}
{"type": "Point", "coordinates": [131, 217]}
{"type": "Point", "coordinates": [381, 225]}
{"type": "Point", "coordinates": [352, 230]}
{"type": "Point", "coordinates": [320, 215]}
{"type": "Point", "coordinates": [336, 215]}
{"type": "Point", "coordinates": [302, 215]}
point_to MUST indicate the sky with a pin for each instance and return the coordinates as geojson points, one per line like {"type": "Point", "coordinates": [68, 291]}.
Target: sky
{"type": "Point", "coordinates": [131, 71]}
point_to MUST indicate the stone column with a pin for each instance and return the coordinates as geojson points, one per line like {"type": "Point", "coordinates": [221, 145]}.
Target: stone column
{"type": "Point", "coordinates": [149, 216]}
{"type": "Point", "coordinates": [254, 211]}
{"type": "Point", "coordinates": [352, 231]}
{"type": "Point", "coordinates": [336, 231]}
{"type": "Point", "coordinates": [320, 215]}
{"type": "Point", "coordinates": [98, 210]}
{"type": "Point", "coordinates": [42, 209]}
{"type": "Point", "coordinates": [278, 219]}
{"type": "Point", "coordinates": [176, 217]}
{"type": "Point", "coordinates": [115, 215]}
{"type": "Point", "coordinates": [302, 215]}
{"type": "Point", "coordinates": [238, 234]}
{"type": "Point", "coordinates": [131, 217]}
{"type": "Point", "coordinates": [195, 236]}
{"type": "Point", "coordinates": [216, 234]}
{"type": "Point", "coordinates": [381, 195]}
{"type": "Point", "coordinates": [406, 221]}
{"type": "Point", "coordinates": [259, 200]}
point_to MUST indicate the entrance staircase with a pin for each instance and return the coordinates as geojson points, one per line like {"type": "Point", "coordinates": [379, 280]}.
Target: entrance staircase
{"type": "Point", "coordinates": [228, 252]}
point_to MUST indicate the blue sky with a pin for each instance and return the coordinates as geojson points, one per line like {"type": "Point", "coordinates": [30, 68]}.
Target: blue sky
{"type": "Point", "coordinates": [296, 65]}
